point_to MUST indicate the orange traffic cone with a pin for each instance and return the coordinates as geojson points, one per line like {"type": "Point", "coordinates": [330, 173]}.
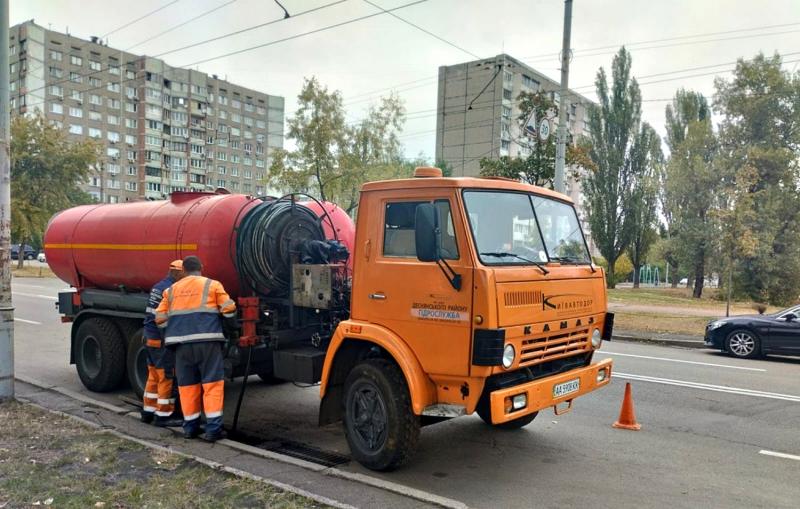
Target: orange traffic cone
{"type": "Point", "coordinates": [627, 419]}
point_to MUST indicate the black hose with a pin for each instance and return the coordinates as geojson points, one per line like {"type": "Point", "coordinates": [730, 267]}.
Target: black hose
{"type": "Point", "coordinates": [241, 391]}
{"type": "Point", "coordinates": [269, 234]}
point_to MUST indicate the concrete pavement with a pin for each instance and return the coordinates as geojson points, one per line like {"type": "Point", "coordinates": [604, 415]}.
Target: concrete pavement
{"type": "Point", "coordinates": [705, 418]}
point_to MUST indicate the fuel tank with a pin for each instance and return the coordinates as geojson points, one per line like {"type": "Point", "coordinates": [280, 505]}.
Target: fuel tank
{"type": "Point", "coordinates": [130, 245]}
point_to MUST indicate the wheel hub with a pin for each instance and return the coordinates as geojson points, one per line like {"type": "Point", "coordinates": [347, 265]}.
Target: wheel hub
{"type": "Point", "coordinates": [742, 344]}
{"type": "Point", "coordinates": [369, 417]}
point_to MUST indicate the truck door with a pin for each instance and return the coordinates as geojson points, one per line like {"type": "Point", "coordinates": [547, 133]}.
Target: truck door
{"type": "Point", "coordinates": [415, 299]}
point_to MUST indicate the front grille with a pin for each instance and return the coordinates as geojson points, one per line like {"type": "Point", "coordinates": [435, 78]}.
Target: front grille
{"type": "Point", "coordinates": [559, 345]}
{"type": "Point", "coordinates": [522, 298]}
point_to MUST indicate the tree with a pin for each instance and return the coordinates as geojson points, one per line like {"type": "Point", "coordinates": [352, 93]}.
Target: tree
{"type": "Point", "coordinates": [759, 139]}
{"type": "Point", "coordinates": [333, 159]}
{"type": "Point", "coordinates": [538, 168]}
{"type": "Point", "coordinates": [646, 160]}
{"type": "Point", "coordinates": [691, 184]}
{"type": "Point", "coordinates": [46, 172]}
{"type": "Point", "coordinates": [610, 188]}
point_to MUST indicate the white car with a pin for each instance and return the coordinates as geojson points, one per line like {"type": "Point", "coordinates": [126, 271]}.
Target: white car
{"type": "Point", "coordinates": [41, 257]}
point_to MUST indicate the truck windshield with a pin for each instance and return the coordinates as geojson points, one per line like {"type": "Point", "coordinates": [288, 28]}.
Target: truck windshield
{"type": "Point", "coordinates": [512, 228]}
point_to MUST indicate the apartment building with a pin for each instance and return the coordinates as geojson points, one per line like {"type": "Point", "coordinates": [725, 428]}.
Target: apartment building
{"type": "Point", "coordinates": [162, 128]}
{"type": "Point", "coordinates": [478, 116]}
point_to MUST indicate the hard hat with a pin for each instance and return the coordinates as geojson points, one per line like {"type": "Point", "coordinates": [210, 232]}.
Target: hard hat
{"type": "Point", "coordinates": [176, 265]}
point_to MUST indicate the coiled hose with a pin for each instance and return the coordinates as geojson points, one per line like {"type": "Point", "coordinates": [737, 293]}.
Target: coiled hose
{"type": "Point", "coordinates": [267, 237]}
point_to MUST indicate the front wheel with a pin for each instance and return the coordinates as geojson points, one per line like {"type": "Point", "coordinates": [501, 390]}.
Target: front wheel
{"type": "Point", "coordinates": [380, 426]}
{"type": "Point", "coordinates": [743, 343]}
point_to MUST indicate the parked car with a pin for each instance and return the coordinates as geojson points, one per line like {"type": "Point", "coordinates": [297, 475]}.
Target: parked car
{"type": "Point", "coordinates": [41, 257]}
{"type": "Point", "coordinates": [749, 336]}
{"type": "Point", "coordinates": [28, 252]}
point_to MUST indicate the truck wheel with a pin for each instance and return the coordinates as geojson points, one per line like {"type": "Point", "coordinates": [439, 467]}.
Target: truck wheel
{"type": "Point", "coordinates": [486, 416]}
{"type": "Point", "coordinates": [136, 364]}
{"type": "Point", "coordinates": [380, 426]}
{"type": "Point", "coordinates": [100, 355]}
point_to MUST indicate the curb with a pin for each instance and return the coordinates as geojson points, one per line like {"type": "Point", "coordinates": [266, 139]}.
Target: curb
{"type": "Point", "coordinates": [375, 482]}
{"type": "Point", "coordinates": [677, 343]}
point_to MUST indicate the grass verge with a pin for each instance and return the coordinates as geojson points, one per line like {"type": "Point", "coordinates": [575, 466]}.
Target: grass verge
{"type": "Point", "coordinates": [30, 271]}
{"type": "Point", "coordinates": [659, 323]}
{"type": "Point", "coordinates": [50, 460]}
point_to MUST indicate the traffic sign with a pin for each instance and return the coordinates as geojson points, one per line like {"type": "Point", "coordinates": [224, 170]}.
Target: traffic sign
{"type": "Point", "coordinates": [544, 129]}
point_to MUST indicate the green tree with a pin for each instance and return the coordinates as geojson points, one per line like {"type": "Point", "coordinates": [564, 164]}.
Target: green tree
{"type": "Point", "coordinates": [759, 138]}
{"type": "Point", "coordinates": [46, 172]}
{"type": "Point", "coordinates": [614, 124]}
{"type": "Point", "coordinates": [332, 159]}
{"type": "Point", "coordinates": [538, 168]}
{"type": "Point", "coordinates": [646, 160]}
{"type": "Point", "coordinates": [691, 184]}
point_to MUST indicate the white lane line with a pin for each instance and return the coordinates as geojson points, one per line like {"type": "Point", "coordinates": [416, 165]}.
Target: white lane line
{"type": "Point", "coordinates": [779, 455]}
{"type": "Point", "coordinates": [27, 321]}
{"type": "Point", "coordinates": [709, 387]}
{"type": "Point", "coordinates": [682, 361]}
{"type": "Point", "coordinates": [34, 295]}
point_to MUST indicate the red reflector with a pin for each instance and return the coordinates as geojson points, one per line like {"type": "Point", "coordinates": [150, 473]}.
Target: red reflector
{"type": "Point", "coordinates": [355, 329]}
{"type": "Point", "coordinates": [66, 319]}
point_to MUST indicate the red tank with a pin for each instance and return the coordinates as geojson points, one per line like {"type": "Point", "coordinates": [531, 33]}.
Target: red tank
{"type": "Point", "coordinates": [131, 244]}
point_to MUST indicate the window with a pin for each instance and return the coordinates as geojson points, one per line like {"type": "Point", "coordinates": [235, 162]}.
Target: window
{"type": "Point", "coordinates": [152, 93]}
{"type": "Point", "coordinates": [153, 111]}
{"type": "Point", "coordinates": [94, 182]}
{"type": "Point", "coordinates": [236, 132]}
{"type": "Point", "coordinates": [112, 152]}
{"type": "Point", "coordinates": [234, 172]}
{"type": "Point", "coordinates": [178, 176]}
{"type": "Point", "coordinates": [180, 117]}
{"type": "Point", "coordinates": [248, 162]}
{"type": "Point", "coordinates": [234, 186]}
{"type": "Point", "coordinates": [154, 124]}
{"type": "Point", "coordinates": [12, 68]}
{"type": "Point", "coordinates": [398, 233]}
{"type": "Point", "coordinates": [130, 107]}
{"type": "Point", "coordinates": [178, 163]}
{"type": "Point", "coordinates": [131, 156]}
{"type": "Point", "coordinates": [506, 94]}
{"type": "Point", "coordinates": [222, 142]}
{"type": "Point", "coordinates": [112, 184]}
{"type": "Point", "coordinates": [113, 120]}
{"type": "Point", "coordinates": [112, 87]}
{"type": "Point", "coordinates": [235, 103]}
{"type": "Point", "coordinates": [259, 150]}
{"type": "Point", "coordinates": [223, 114]}
{"type": "Point", "coordinates": [131, 186]}
{"type": "Point", "coordinates": [152, 140]}
{"type": "Point", "coordinates": [130, 92]}
{"type": "Point", "coordinates": [95, 82]}
{"type": "Point", "coordinates": [95, 132]}
{"type": "Point", "coordinates": [113, 69]}
{"type": "Point", "coordinates": [223, 100]}
{"type": "Point", "coordinates": [57, 108]}
{"type": "Point", "coordinates": [505, 144]}
{"type": "Point", "coordinates": [95, 99]}
{"type": "Point", "coordinates": [154, 186]}
{"type": "Point", "coordinates": [197, 149]}
{"type": "Point", "coordinates": [221, 170]}
{"type": "Point", "coordinates": [236, 117]}
{"type": "Point", "coordinates": [131, 123]}
{"type": "Point", "coordinates": [113, 199]}
{"type": "Point", "coordinates": [235, 158]}
{"type": "Point", "coordinates": [248, 121]}
{"type": "Point", "coordinates": [76, 95]}
{"type": "Point", "coordinates": [506, 112]}
{"type": "Point", "coordinates": [246, 188]}
{"type": "Point", "coordinates": [113, 104]}
{"type": "Point", "coordinates": [261, 110]}
{"type": "Point", "coordinates": [249, 107]}
{"type": "Point", "coordinates": [261, 124]}
{"type": "Point", "coordinates": [94, 65]}
{"type": "Point", "coordinates": [56, 55]}
{"type": "Point", "coordinates": [96, 116]}
{"type": "Point", "coordinates": [180, 131]}
{"type": "Point", "coordinates": [130, 74]}
{"type": "Point", "coordinates": [529, 82]}
{"type": "Point", "coordinates": [259, 163]}
{"type": "Point", "coordinates": [75, 77]}
{"type": "Point", "coordinates": [75, 129]}
{"type": "Point", "coordinates": [75, 112]}
{"type": "Point", "coordinates": [259, 190]}
{"type": "Point", "coordinates": [222, 156]}
{"type": "Point", "coordinates": [221, 183]}
{"type": "Point", "coordinates": [507, 77]}
{"type": "Point", "coordinates": [197, 163]}
{"type": "Point", "coordinates": [130, 139]}
{"type": "Point", "coordinates": [56, 90]}
{"type": "Point", "coordinates": [235, 144]}
{"type": "Point", "coordinates": [113, 136]}
{"type": "Point", "coordinates": [248, 174]}
{"type": "Point", "coordinates": [75, 60]}
{"type": "Point", "coordinates": [113, 168]}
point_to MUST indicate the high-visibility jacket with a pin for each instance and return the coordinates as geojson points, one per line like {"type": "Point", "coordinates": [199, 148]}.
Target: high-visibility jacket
{"type": "Point", "coordinates": [192, 310]}
{"type": "Point", "coordinates": [151, 330]}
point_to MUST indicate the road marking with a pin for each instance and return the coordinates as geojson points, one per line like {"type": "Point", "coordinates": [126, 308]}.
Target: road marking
{"type": "Point", "coordinates": [709, 387]}
{"type": "Point", "coordinates": [779, 455]}
{"type": "Point", "coordinates": [34, 295]}
{"type": "Point", "coordinates": [682, 361]}
{"type": "Point", "coordinates": [27, 321]}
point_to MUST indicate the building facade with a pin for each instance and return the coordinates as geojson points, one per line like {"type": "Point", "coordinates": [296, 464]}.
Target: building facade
{"type": "Point", "coordinates": [478, 116]}
{"type": "Point", "coordinates": [161, 128]}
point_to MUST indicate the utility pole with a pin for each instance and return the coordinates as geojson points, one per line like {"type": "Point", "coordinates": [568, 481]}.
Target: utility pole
{"type": "Point", "coordinates": [6, 308]}
{"type": "Point", "coordinates": [563, 103]}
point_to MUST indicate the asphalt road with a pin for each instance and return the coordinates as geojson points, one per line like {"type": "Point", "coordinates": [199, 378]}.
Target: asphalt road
{"type": "Point", "coordinates": [716, 431]}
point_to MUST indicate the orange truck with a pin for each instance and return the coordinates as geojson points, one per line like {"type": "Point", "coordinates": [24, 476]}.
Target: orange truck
{"type": "Point", "coordinates": [467, 295]}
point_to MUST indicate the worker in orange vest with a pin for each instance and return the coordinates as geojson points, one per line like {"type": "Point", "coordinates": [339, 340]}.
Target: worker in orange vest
{"type": "Point", "coordinates": [192, 312]}
{"type": "Point", "coordinates": [159, 390]}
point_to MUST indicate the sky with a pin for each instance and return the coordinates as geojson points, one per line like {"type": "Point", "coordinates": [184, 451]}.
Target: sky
{"type": "Point", "coordinates": [374, 56]}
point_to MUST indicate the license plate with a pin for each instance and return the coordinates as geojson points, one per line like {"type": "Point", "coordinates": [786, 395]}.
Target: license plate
{"type": "Point", "coordinates": [566, 388]}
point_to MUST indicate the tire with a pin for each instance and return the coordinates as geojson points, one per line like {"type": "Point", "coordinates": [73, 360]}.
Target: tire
{"type": "Point", "coordinates": [743, 343]}
{"type": "Point", "coordinates": [100, 355]}
{"type": "Point", "coordinates": [485, 413]}
{"type": "Point", "coordinates": [29, 257]}
{"type": "Point", "coordinates": [376, 401]}
{"type": "Point", "coordinates": [136, 361]}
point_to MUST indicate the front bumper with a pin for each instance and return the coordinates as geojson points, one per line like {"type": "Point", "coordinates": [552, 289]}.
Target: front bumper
{"type": "Point", "coordinates": [715, 338]}
{"type": "Point", "coordinates": [539, 392]}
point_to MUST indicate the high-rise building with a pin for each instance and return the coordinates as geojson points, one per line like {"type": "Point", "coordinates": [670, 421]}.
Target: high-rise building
{"type": "Point", "coordinates": [162, 128]}
{"type": "Point", "coordinates": [478, 116]}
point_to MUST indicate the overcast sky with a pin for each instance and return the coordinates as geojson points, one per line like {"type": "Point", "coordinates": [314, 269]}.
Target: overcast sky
{"type": "Point", "coordinates": [373, 56]}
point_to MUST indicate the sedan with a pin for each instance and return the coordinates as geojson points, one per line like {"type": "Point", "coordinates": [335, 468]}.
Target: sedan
{"type": "Point", "coordinates": [751, 336]}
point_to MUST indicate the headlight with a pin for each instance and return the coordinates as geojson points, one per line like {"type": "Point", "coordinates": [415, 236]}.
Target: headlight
{"type": "Point", "coordinates": [508, 356]}
{"type": "Point", "coordinates": [716, 325]}
{"type": "Point", "coordinates": [596, 338]}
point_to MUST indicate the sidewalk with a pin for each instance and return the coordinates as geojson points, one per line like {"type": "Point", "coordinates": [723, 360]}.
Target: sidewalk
{"type": "Point", "coordinates": [659, 338]}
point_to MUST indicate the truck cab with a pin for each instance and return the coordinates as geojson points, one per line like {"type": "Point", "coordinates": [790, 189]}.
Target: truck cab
{"type": "Point", "coordinates": [468, 295]}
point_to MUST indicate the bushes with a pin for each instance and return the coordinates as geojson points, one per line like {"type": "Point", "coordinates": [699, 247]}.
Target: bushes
{"type": "Point", "coordinates": [622, 268]}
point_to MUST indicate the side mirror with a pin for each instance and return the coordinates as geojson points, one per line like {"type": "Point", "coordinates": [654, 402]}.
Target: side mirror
{"type": "Point", "coordinates": [790, 317]}
{"type": "Point", "coordinates": [426, 235]}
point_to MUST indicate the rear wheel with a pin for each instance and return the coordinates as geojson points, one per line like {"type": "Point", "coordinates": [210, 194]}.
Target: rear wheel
{"type": "Point", "coordinates": [380, 426]}
{"type": "Point", "coordinates": [743, 343]}
{"type": "Point", "coordinates": [485, 412]}
{"type": "Point", "coordinates": [136, 363]}
{"type": "Point", "coordinates": [100, 354]}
